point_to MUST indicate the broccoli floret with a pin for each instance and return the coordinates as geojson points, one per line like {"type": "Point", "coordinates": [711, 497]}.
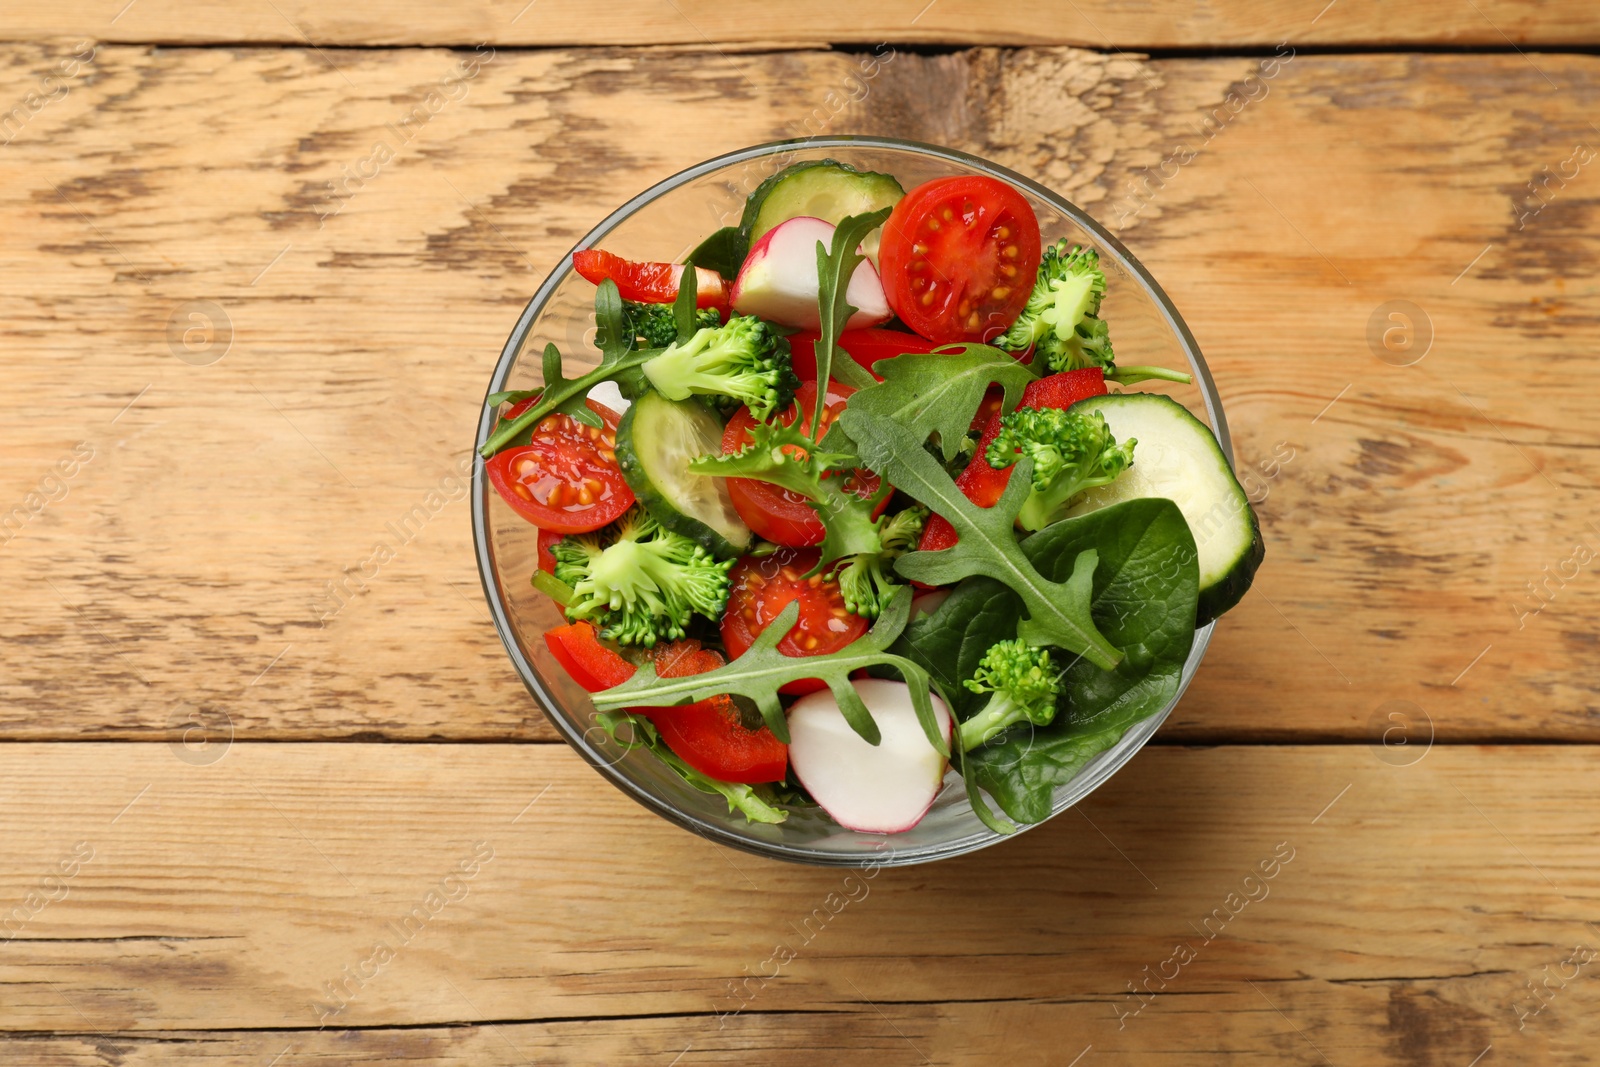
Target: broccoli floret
{"type": "Point", "coordinates": [866, 581]}
{"type": "Point", "coordinates": [641, 583]}
{"type": "Point", "coordinates": [1059, 319]}
{"type": "Point", "coordinates": [743, 360]}
{"type": "Point", "coordinates": [1025, 685]}
{"type": "Point", "coordinates": [653, 325]}
{"type": "Point", "coordinates": [1071, 451]}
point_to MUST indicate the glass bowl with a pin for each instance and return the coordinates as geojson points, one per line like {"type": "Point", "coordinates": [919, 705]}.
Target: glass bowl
{"type": "Point", "coordinates": [664, 222]}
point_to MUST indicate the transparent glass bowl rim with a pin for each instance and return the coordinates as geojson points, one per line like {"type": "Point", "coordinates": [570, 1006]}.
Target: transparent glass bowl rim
{"type": "Point", "coordinates": [1093, 775]}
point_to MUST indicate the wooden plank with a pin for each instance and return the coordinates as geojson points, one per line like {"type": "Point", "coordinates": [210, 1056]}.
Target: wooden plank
{"type": "Point", "coordinates": [184, 567]}
{"type": "Point", "coordinates": [1126, 24]}
{"type": "Point", "coordinates": [1393, 908]}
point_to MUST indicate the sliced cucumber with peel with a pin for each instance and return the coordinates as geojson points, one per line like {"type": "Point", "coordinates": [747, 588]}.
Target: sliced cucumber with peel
{"type": "Point", "coordinates": [656, 440]}
{"type": "Point", "coordinates": [823, 188]}
{"type": "Point", "coordinates": [1177, 457]}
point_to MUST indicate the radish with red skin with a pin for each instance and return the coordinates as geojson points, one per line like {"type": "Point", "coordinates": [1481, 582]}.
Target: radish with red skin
{"type": "Point", "coordinates": [779, 280]}
{"type": "Point", "coordinates": [878, 789]}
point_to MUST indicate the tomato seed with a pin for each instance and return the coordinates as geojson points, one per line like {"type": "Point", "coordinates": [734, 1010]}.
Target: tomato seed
{"type": "Point", "coordinates": [810, 642]}
{"type": "Point", "coordinates": [1003, 232]}
{"type": "Point", "coordinates": [521, 490]}
{"type": "Point", "coordinates": [585, 497]}
{"type": "Point", "coordinates": [972, 321]}
{"type": "Point", "coordinates": [1000, 292]}
{"type": "Point", "coordinates": [525, 468]}
{"type": "Point", "coordinates": [1009, 271]}
{"type": "Point", "coordinates": [1011, 252]}
{"type": "Point", "coordinates": [933, 224]}
{"type": "Point", "coordinates": [948, 214]}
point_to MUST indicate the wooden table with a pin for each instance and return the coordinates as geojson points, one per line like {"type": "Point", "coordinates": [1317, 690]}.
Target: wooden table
{"type": "Point", "coordinates": [237, 345]}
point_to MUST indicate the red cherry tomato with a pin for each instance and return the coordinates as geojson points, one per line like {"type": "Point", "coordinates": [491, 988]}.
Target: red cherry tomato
{"type": "Point", "coordinates": [983, 484]}
{"type": "Point", "coordinates": [759, 588]}
{"type": "Point", "coordinates": [710, 735]}
{"type": "Point", "coordinates": [776, 514]}
{"type": "Point", "coordinates": [565, 479]}
{"type": "Point", "coordinates": [866, 347]}
{"type": "Point", "coordinates": [958, 258]}
{"type": "Point", "coordinates": [650, 283]}
{"type": "Point", "coordinates": [585, 658]}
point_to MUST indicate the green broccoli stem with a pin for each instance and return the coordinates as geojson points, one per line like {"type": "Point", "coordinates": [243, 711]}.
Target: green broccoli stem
{"type": "Point", "coordinates": [1130, 375]}
{"type": "Point", "coordinates": [1000, 713]}
{"type": "Point", "coordinates": [1050, 505]}
{"type": "Point", "coordinates": [561, 392]}
{"type": "Point", "coordinates": [740, 797]}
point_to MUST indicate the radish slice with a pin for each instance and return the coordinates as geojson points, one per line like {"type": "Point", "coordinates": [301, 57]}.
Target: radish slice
{"type": "Point", "coordinates": [609, 394]}
{"type": "Point", "coordinates": [778, 281]}
{"type": "Point", "coordinates": [923, 603]}
{"type": "Point", "coordinates": [881, 789]}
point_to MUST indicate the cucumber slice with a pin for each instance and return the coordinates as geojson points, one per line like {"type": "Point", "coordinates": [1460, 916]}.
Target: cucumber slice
{"type": "Point", "coordinates": [655, 442]}
{"type": "Point", "coordinates": [1178, 458]}
{"type": "Point", "coordinates": [823, 188]}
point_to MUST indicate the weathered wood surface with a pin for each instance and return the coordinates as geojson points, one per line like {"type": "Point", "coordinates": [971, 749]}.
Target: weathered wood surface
{"type": "Point", "coordinates": [1400, 914]}
{"type": "Point", "coordinates": [193, 548]}
{"type": "Point", "coordinates": [1118, 23]}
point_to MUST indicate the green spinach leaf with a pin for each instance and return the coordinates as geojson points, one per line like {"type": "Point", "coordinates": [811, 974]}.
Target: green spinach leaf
{"type": "Point", "coordinates": [1145, 590]}
{"type": "Point", "coordinates": [722, 252]}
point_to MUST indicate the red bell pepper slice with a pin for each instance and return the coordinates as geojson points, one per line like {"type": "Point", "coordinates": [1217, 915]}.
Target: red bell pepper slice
{"type": "Point", "coordinates": [981, 483]}
{"type": "Point", "coordinates": [709, 735]}
{"type": "Point", "coordinates": [651, 283]}
{"type": "Point", "coordinates": [865, 346]}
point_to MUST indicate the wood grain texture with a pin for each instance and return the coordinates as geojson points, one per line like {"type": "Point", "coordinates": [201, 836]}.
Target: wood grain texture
{"type": "Point", "coordinates": [1408, 912]}
{"type": "Point", "coordinates": [1128, 24]}
{"type": "Point", "coordinates": [183, 568]}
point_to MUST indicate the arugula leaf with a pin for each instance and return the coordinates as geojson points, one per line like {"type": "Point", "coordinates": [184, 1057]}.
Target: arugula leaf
{"type": "Point", "coordinates": [1057, 612]}
{"type": "Point", "coordinates": [834, 271]}
{"type": "Point", "coordinates": [723, 252]}
{"type": "Point", "coordinates": [782, 455]}
{"type": "Point", "coordinates": [566, 395]}
{"type": "Point", "coordinates": [740, 797]}
{"type": "Point", "coordinates": [510, 396]}
{"type": "Point", "coordinates": [939, 392]}
{"type": "Point", "coordinates": [1144, 591]}
{"type": "Point", "coordinates": [573, 405]}
{"type": "Point", "coordinates": [762, 669]}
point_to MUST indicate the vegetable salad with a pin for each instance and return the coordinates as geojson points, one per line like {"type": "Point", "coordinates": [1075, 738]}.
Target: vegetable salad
{"type": "Point", "coordinates": [849, 502]}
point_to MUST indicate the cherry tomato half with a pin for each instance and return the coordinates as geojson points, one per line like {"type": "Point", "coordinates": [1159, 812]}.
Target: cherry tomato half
{"type": "Point", "coordinates": [781, 516]}
{"type": "Point", "coordinates": [710, 735]}
{"type": "Point", "coordinates": [958, 258]}
{"type": "Point", "coordinates": [565, 479]}
{"type": "Point", "coordinates": [650, 283]}
{"type": "Point", "coordinates": [759, 588]}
